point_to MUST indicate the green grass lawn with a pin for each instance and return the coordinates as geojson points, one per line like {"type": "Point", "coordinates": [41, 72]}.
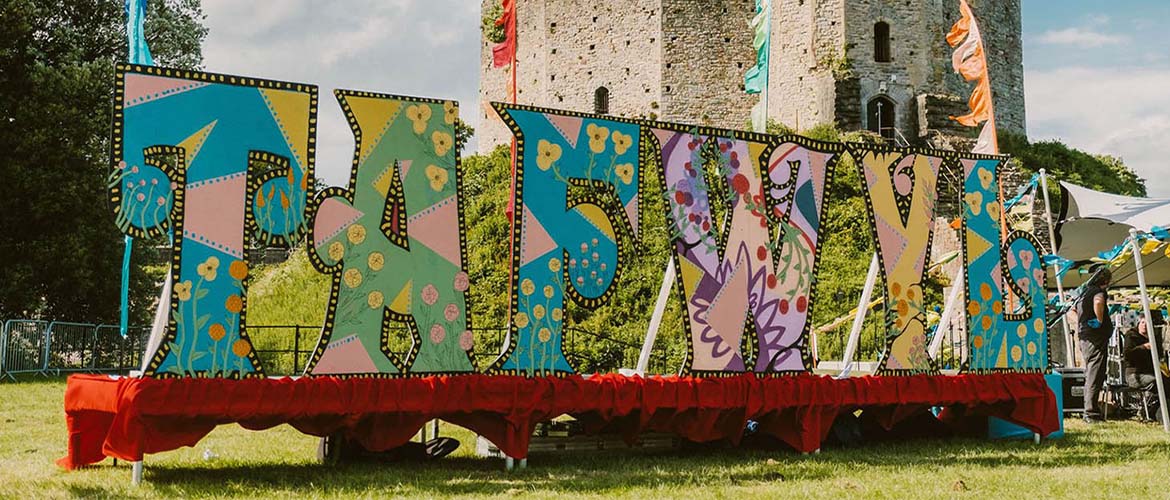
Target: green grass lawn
{"type": "Point", "coordinates": [1117, 460]}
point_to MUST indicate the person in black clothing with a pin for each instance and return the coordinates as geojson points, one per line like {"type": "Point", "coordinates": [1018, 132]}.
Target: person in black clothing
{"type": "Point", "coordinates": [1139, 366]}
{"type": "Point", "coordinates": [1094, 328]}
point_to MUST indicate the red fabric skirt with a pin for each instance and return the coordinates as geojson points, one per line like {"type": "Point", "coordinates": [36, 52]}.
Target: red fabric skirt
{"type": "Point", "coordinates": [129, 417]}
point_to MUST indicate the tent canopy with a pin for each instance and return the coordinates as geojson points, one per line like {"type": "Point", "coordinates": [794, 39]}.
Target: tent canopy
{"type": "Point", "coordinates": [1092, 222]}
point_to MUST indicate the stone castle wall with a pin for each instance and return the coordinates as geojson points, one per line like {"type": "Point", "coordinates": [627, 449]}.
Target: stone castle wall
{"type": "Point", "coordinates": [707, 50]}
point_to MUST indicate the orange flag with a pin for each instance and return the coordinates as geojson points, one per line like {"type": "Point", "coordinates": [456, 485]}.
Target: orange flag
{"type": "Point", "coordinates": [970, 61]}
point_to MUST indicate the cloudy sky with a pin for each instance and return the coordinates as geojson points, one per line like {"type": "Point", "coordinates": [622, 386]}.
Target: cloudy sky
{"type": "Point", "coordinates": [1097, 74]}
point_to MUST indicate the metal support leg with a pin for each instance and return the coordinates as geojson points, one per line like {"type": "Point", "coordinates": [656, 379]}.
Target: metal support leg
{"type": "Point", "coordinates": [509, 463]}
{"type": "Point", "coordinates": [136, 473]}
{"type": "Point", "coordinates": [523, 463]}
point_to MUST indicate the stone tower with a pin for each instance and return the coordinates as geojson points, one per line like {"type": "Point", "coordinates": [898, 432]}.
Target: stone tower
{"type": "Point", "coordinates": [882, 65]}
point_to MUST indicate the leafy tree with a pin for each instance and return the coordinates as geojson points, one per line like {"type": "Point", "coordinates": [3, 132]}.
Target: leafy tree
{"type": "Point", "coordinates": [1062, 163]}
{"type": "Point", "coordinates": [62, 253]}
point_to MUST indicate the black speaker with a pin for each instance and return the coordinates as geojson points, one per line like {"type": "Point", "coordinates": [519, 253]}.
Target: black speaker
{"type": "Point", "coordinates": [1073, 386]}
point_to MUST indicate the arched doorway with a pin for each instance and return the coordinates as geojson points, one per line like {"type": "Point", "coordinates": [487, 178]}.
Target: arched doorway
{"type": "Point", "coordinates": [881, 113]}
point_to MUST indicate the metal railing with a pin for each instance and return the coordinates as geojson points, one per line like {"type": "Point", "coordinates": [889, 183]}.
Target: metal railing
{"type": "Point", "coordinates": [55, 347]}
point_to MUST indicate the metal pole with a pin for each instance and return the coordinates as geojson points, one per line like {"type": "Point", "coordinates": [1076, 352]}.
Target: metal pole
{"type": "Point", "coordinates": [656, 318]}
{"type": "Point", "coordinates": [3, 346]}
{"type": "Point", "coordinates": [1069, 356]}
{"type": "Point", "coordinates": [1141, 275]}
{"type": "Point", "coordinates": [949, 309]}
{"type": "Point", "coordinates": [136, 473]}
{"type": "Point", "coordinates": [859, 319]}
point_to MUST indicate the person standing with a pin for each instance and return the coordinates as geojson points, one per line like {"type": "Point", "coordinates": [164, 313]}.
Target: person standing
{"type": "Point", "coordinates": [1094, 327]}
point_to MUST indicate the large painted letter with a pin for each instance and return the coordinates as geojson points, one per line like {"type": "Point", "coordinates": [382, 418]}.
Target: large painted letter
{"type": "Point", "coordinates": [1001, 337]}
{"type": "Point", "coordinates": [219, 161]}
{"type": "Point", "coordinates": [901, 190]}
{"type": "Point", "coordinates": [393, 242]}
{"type": "Point", "coordinates": [577, 194]}
{"type": "Point", "coordinates": [754, 274]}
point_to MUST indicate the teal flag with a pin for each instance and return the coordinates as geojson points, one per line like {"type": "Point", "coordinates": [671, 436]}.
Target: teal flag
{"type": "Point", "coordinates": [756, 78]}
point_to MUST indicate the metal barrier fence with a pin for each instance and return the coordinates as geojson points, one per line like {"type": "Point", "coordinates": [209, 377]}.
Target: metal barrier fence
{"type": "Point", "coordinates": [44, 348]}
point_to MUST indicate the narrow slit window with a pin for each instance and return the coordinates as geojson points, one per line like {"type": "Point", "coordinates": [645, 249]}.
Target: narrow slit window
{"type": "Point", "coordinates": [601, 101]}
{"type": "Point", "coordinates": [881, 42]}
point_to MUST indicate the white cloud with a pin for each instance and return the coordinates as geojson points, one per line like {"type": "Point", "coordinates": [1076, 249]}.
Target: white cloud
{"type": "Point", "coordinates": [409, 47]}
{"type": "Point", "coordinates": [1124, 113]}
{"type": "Point", "coordinates": [1081, 37]}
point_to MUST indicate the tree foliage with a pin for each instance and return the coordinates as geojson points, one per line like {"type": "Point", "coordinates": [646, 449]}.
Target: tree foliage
{"type": "Point", "coordinates": [1063, 163]}
{"type": "Point", "coordinates": [61, 251]}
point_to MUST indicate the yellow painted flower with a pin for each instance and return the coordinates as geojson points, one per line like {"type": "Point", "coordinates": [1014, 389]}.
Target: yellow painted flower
{"type": "Point", "coordinates": [538, 312]}
{"type": "Point", "coordinates": [520, 320]}
{"type": "Point", "coordinates": [625, 172]}
{"type": "Point", "coordinates": [621, 142]}
{"type": "Point", "coordinates": [597, 137]}
{"type": "Point", "coordinates": [450, 111]}
{"type": "Point", "coordinates": [993, 210]}
{"type": "Point", "coordinates": [527, 286]}
{"type": "Point", "coordinates": [1022, 331]}
{"type": "Point", "coordinates": [554, 264]}
{"type": "Point", "coordinates": [352, 278]}
{"type": "Point", "coordinates": [1017, 353]}
{"type": "Point", "coordinates": [985, 178]}
{"type": "Point", "coordinates": [1038, 325]}
{"type": "Point", "coordinates": [419, 114]}
{"type": "Point", "coordinates": [375, 299]}
{"type": "Point", "coordinates": [548, 291]}
{"type": "Point", "coordinates": [376, 260]}
{"type": "Point", "coordinates": [184, 290]}
{"type": "Point", "coordinates": [545, 334]}
{"type": "Point", "coordinates": [437, 176]}
{"type": "Point", "coordinates": [557, 314]}
{"type": "Point", "coordinates": [336, 250]}
{"type": "Point", "coordinates": [356, 233]}
{"type": "Point", "coordinates": [442, 142]}
{"type": "Point", "coordinates": [974, 202]}
{"type": "Point", "coordinates": [208, 268]}
{"type": "Point", "coordinates": [1031, 348]}
{"type": "Point", "coordinates": [547, 153]}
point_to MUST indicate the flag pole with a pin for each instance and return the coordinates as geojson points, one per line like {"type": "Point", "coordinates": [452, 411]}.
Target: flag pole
{"type": "Point", "coordinates": [1069, 355]}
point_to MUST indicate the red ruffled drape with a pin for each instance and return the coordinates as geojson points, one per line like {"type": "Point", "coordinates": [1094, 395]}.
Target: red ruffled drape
{"type": "Point", "coordinates": [127, 418]}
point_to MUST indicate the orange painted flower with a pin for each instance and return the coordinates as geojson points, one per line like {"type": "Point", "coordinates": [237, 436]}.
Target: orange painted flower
{"type": "Point", "coordinates": [973, 308]}
{"type": "Point", "coordinates": [238, 270]}
{"type": "Point", "coordinates": [241, 348]}
{"type": "Point", "coordinates": [985, 291]}
{"type": "Point", "coordinates": [986, 322]}
{"type": "Point", "coordinates": [216, 332]}
{"type": "Point", "coordinates": [234, 304]}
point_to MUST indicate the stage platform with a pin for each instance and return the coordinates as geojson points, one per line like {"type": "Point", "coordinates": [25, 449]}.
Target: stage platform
{"type": "Point", "coordinates": [127, 418]}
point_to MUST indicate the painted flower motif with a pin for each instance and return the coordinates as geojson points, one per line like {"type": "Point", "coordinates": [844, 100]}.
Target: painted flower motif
{"type": "Point", "coordinates": [450, 112]}
{"type": "Point", "coordinates": [451, 312]}
{"type": "Point", "coordinates": [376, 260]}
{"type": "Point", "coordinates": [234, 304]}
{"type": "Point", "coordinates": [208, 268]}
{"type": "Point", "coordinates": [184, 290]}
{"type": "Point", "coordinates": [527, 286]}
{"type": "Point", "coordinates": [985, 177]}
{"type": "Point", "coordinates": [993, 210]}
{"type": "Point", "coordinates": [520, 320]}
{"type": "Point", "coordinates": [141, 197]}
{"type": "Point", "coordinates": [557, 314]}
{"type": "Point", "coordinates": [375, 299]}
{"type": "Point", "coordinates": [554, 265]}
{"type": "Point", "coordinates": [1017, 353]}
{"type": "Point", "coordinates": [1032, 348]}
{"type": "Point", "coordinates": [216, 332]}
{"type": "Point", "coordinates": [538, 312]}
{"type": "Point", "coordinates": [238, 270]}
{"type": "Point", "coordinates": [597, 137]}
{"type": "Point", "coordinates": [462, 283]}
{"type": "Point", "coordinates": [974, 203]}
{"type": "Point", "coordinates": [621, 142]}
{"type": "Point", "coordinates": [352, 278]}
{"type": "Point", "coordinates": [544, 335]}
{"type": "Point", "coordinates": [241, 348]}
{"type": "Point", "coordinates": [161, 201]}
{"type": "Point", "coordinates": [548, 291]}
{"type": "Point", "coordinates": [419, 114]}
{"type": "Point", "coordinates": [442, 142]}
{"type": "Point", "coordinates": [466, 340]}
{"type": "Point", "coordinates": [356, 233]}
{"type": "Point", "coordinates": [1038, 325]}
{"type": "Point", "coordinates": [625, 172]}
{"type": "Point", "coordinates": [977, 342]}
{"type": "Point", "coordinates": [547, 153]}
{"type": "Point", "coordinates": [1021, 331]}
{"type": "Point", "coordinates": [336, 250]}
{"type": "Point", "coordinates": [438, 333]}
{"type": "Point", "coordinates": [429, 294]}
{"type": "Point", "coordinates": [437, 176]}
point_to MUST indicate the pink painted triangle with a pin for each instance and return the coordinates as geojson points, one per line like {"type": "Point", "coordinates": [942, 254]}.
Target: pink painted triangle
{"type": "Point", "coordinates": [536, 240]}
{"type": "Point", "coordinates": [632, 213]}
{"type": "Point", "coordinates": [214, 214]}
{"type": "Point", "coordinates": [403, 168]}
{"type": "Point", "coordinates": [145, 88]}
{"type": "Point", "coordinates": [333, 216]}
{"type": "Point", "coordinates": [347, 355]}
{"type": "Point", "coordinates": [568, 126]}
{"type": "Point", "coordinates": [437, 228]}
